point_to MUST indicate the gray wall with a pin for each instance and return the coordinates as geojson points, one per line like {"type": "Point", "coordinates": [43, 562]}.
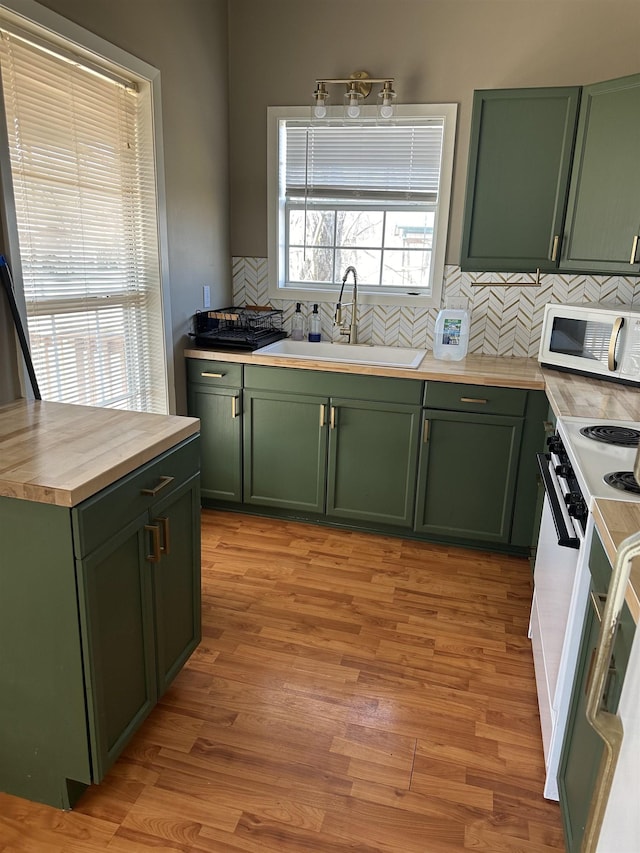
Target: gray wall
{"type": "Point", "coordinates": [437, 50]}
{"type": "Point", "coordinates": [187, 41]}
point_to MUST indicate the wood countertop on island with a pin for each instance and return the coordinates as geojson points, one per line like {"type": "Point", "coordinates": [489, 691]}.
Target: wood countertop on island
{"type": "Point", "coordinates": [61, 454]}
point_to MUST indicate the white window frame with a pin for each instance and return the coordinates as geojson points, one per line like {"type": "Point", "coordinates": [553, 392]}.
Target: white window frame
{"type": "Point", "coordinates": [25, 14]}
{"type": "Point", "coordinates": [279, 288]}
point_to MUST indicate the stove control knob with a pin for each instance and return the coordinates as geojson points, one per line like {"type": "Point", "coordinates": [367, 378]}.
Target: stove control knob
{"type": "Point", "coordinates": [564, 470]}
{"type": "Point", "coordinates": [554, 443]}
{"type": "Point", "coordinates": [576, 506]}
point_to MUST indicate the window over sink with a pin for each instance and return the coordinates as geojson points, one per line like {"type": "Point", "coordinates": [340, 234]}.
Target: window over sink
{"type": "Point", "coordinates": [365, 193]}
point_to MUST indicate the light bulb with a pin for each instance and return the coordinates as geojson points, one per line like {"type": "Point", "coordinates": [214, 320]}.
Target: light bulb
{"type": "Point", "coordinates": [320, 95]}
{"type": "Point", "coordinates": [386, 109]}
{"type": "Point", "coordinates": [353, 108]}
{"type": "Point", "coordinates": [385, 104]}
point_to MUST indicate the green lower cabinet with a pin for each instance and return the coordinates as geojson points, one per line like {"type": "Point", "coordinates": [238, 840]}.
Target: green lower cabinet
{"type": "Point", "coordinates": [141, 617]}
{"type": "Point", "coordinates": [467, 475]}
{"type": "Point", "coordinates": [346, 448]}
{"type": "Point", "coordinates": [99, 609]}
{"type": "Point", "coordinates": [220, 413]}
{"type": "Point", "coordinates": [44, 744]}
{"type": "Point", "coordinates": [285, 450]}
{"type": "Point", "coordinates": [373, 449]}
{"type": "Point", "coordinates": [582, 748]}
{"type": "Point", "coordinates": [117, 624]}
{"type": "Point", "coordinates": [176, 581]}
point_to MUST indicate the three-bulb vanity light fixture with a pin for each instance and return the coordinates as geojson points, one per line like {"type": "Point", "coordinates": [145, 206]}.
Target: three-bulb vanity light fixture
{"type": "Point", "coordinates": [358, 88]}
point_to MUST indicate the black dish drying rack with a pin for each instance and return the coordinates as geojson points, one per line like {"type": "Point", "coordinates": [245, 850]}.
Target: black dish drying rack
{"type": "Point", "coordinates": [247, 328]}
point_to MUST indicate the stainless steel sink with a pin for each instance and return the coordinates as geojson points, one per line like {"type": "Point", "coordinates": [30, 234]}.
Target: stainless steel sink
{"type": "Point", "coordinates": [349, 353]}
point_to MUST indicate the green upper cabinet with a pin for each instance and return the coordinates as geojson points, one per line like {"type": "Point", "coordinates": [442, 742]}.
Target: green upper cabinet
{"type": "Point", "coordinates": [519, 164]}
{"type": "Point", "coordinates": [603, 215]}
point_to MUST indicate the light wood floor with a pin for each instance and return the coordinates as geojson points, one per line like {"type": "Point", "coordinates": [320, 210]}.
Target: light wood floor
{"type": "Point", "coordinates": [351, 693]}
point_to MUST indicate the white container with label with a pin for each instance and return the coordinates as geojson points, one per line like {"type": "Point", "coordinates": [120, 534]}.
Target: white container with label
{"type": "Point", "coordinates": [451, 334]}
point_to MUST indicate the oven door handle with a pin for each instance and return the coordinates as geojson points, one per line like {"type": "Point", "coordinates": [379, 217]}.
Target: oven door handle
{"type": "Point", "coordinates": [566, 537]}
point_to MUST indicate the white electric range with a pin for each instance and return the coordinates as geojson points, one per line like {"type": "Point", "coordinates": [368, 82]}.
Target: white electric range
{"type": "Point", "coordinates": [575, 471]}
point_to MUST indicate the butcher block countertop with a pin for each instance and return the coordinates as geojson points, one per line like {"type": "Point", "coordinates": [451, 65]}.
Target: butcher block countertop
{"type": "Point", "coordinates": [61, 454]}
{"type": "Point", "coordinates": [580, 397]}
{"type": "Point", "coordinates": [615, 521]}
{"type": "Point", "coordinates": [472, 370]}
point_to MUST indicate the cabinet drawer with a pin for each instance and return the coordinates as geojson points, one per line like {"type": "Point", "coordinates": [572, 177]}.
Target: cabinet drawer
{"type": "Point", "coordinates": [214, 373]}
{"type": "Point", "coordinates": [383, 389]}
{"type": "Point", "coordinates": [458, 397]}
{"type": "Point", "coordinates": [101, 516]}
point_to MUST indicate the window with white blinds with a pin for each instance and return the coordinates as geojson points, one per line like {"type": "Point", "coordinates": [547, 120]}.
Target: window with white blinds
{"type": "Point", "coordinates": [365, 194]}
{"type": "Point", "coordinates": [391, 163]}
{"type": "Point", "coordinates": [83, 172]}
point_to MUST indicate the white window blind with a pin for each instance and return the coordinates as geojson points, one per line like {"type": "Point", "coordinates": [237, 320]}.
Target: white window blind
{"type": "Point", "coordinates": [83, 171]}
{"type": "Point", "coordinates": [381, 163]}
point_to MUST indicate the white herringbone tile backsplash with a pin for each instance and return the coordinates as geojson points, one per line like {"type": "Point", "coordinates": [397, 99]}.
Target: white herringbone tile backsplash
{"type": "Point", "coordinates": [505, 320]}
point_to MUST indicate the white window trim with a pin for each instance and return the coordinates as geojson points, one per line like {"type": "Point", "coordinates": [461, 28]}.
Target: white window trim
{"type": "Point", "coordinates": [88, 44]}
{"type": "Point", "coordinates": [276, 229]}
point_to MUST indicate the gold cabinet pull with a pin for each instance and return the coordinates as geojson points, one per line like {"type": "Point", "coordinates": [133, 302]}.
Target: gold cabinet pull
{"type": "Point", "coordinates": [164, 481]}
{"type": "Point", "coordinates": [213, 375]}
{"type": "Point", "coordinates": [165, 540]}
{"type": "Point", "coordinates": [554, 250]}
{"type": "Point", "coordinates": [634, 249]}
{"type": "Point", "coordinates": [323, 414]}
{"type": "Point", "coordinates": [154, 530]}
{"type": "Point", "coordinates": [234, 407]}
{"type": "Point", "coordinates": [425, 432]}
{"type": "Point", "coordinates": [473, 400]}
{"type": "Point", "coordinates": [613, 340]}
{"type": "Point", "coordinates": [332, 421]}
{"type": "Point", "coordinates": [598, 601]}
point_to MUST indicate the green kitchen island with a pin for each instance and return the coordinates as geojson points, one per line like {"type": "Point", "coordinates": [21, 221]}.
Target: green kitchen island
{"type": "Point", "coordinates": [99, 585]}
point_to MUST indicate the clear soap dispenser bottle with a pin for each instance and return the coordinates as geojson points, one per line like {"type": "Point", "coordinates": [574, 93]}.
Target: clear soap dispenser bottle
{"type": "Point", "coordinates": [297, 325]}
{"type": "Point", "coordinates": [315, 330]}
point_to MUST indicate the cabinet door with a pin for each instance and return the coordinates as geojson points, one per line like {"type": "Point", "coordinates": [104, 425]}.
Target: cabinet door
{"type": "Point", "coordinates": [603, 216]}
{"type": "Point", "coordinates": [467, 475]}
{"type": "Point", "coordinates": [285, 450]}
{"type": "Point", "coordinates": [176, 580]}
{"type": "Point", "coordinates": [582, 748]}
{"type": "Point", "coordinates": [219, 410]}
{"type": "Point", "coordinates": [118, 639]}
{"type": "Point", "coordinates": [373, 450]}
{"type": "Point", "coordinates": [519, 161]}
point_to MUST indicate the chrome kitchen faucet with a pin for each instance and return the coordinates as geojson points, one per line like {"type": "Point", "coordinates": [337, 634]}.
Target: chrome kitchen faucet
{"type": "Point", "coordinates": [352, 329]}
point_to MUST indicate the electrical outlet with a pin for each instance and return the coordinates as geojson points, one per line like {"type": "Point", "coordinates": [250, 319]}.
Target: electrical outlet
{"type": "Point", "coordinates": [454, 303]}
{"type": "Point", "coordinates": [206, 296]}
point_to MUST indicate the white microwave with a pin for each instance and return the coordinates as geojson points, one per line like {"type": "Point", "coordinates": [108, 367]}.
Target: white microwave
{"type": "Point", "coordinates": [594, 339]}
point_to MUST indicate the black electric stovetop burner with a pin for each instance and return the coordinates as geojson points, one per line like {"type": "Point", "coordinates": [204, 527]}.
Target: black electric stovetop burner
{"type": "Point", "coordinates": [623, 480]}
{"type": "Point", "coordinates": [612, 434]}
